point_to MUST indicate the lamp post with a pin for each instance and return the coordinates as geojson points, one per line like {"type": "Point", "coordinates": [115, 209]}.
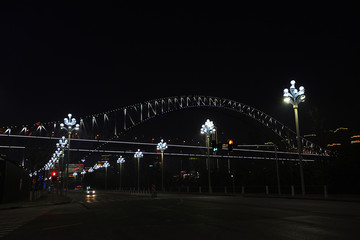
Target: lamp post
{"type": "Point", "coordinates": [75, 174]}
{"type": "Point", "coordinates": [70, 123]}
{"type": "Point", "coordinates": [96, 166]}
{"type": "Point", "coordinates": [106, 165]}
{"type": "Point", "coordinates": [120, 161]}
{"type": "Point", "coordinates": [83, 172]}
{"type": "Point", "coordinates": [208, 128]}
{"type": "Point", "coordinates": [138, 155]}
{"type": "Point", "coordinates": [62, 144]}
{"type": "Point", "coordinates": [295, 97]}
{"type": "Point", "coordinates": [56, 160]}
{"type": "Point", "coordinates": [162, 146]}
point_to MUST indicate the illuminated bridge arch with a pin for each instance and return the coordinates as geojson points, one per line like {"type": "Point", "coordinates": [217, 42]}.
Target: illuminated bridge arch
{"type": "Point", "coordinates": [112, 123]}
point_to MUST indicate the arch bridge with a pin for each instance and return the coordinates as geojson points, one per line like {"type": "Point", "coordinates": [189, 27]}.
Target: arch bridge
{"type": "Point", "coordinates": [110, 124]}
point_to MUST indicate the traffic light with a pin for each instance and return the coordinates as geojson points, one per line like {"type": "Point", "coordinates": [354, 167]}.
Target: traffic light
{"type": "Point", "coordinates": [230, 145]}
{"type": "Point", "coordinates": [54, 176]}
{"type": "Point", "coordinates": [214, 146]}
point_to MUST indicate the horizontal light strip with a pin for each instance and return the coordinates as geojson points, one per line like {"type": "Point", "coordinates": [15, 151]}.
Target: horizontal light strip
{"type": "Point", "coordinates": [187, 155]}
{"type": "Point", "coordinates": [13, 147]}
{"type": "Point", "coordinates": [154, 144]}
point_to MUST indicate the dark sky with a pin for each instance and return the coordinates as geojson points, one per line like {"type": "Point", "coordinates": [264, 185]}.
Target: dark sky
{"type": "Point", "coordinates": [88, 56]}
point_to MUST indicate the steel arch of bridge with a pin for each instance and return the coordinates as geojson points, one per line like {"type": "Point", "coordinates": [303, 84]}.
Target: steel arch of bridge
{"type": "Point", "coordinates": [107, 125]}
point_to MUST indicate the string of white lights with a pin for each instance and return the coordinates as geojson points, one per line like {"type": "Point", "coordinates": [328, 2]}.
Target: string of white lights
{"type": "Point", "coordinates": [151, 144]}
{"type": "Point", "coordinates": [187, 155]}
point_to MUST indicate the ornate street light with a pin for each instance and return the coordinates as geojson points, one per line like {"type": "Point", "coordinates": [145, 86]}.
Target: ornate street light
{"type": "Point", "coordinates": [208, 129]}
{"type": "Point", "coordinates": [69, 125]}
{"type": "Point", "coordinates": [120, 161]}
{"type": "Point", "coordinates": [162, 146]}
{"type": "Point", "coordinates": [106, 165]}
{"type": "Point", "coordinates": [75, 175]}
{"type": "Point", "coordinates": [295, 97]}
{"type": "Point", "coordinates": [96, 166]}
{"type": "Point", "coordinates": [62, 145]}
{"type": "Point", "coordinates": [138, 155]}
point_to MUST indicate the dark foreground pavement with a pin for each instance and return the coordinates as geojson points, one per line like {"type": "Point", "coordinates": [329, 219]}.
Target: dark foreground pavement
{"type": "Point", "coordinates": [118, 216]}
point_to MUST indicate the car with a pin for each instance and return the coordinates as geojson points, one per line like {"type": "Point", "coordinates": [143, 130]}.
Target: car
{"type": "Point", "coordinates": [90, 192]}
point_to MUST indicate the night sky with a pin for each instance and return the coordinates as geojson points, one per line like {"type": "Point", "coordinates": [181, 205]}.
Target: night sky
{"type": "Point", "coordinates": [86, 57]}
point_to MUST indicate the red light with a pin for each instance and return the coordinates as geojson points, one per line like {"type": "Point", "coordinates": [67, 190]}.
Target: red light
{"type": "Point", "coordinates": [231, 142]}
{"type": "Point", "coordinates": [54, 174]}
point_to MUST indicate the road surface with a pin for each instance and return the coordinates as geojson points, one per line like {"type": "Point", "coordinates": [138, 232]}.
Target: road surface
{"type": "Point", "coordinates": [111, 215]}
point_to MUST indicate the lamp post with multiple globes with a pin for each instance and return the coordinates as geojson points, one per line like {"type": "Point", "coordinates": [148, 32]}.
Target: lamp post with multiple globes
{"type": "Point", "coordinates": [295, 97]}
{"type": "Point", "coordinates": [208, 129]}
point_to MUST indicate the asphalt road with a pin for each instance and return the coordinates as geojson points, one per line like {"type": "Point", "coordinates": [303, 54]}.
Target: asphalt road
{"type": "Point", "coordinates": [116, 216]}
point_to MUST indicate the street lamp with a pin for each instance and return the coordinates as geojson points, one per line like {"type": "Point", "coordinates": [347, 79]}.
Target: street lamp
{"type": "Point", "coordinates": [138, 155]}
{"type": "Point", "coordinates": [70, 123]}
{"type": "Point", "coordinates": [83, 172]}
{"type": "Point", "coordinates": [208, 129]}
{"type": "Point", "coordinates": [162, 146]}
{"type": "Point", "coordinates": [120, 161]}
{"type": "Point", "coordinates": [75, 174]}
{"type": "Point", "coordinates": [106, 165]}
{"type": "Point", "coordinates": [62, 144]}
{"type": "Point", "coordinates": [295, 97]}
